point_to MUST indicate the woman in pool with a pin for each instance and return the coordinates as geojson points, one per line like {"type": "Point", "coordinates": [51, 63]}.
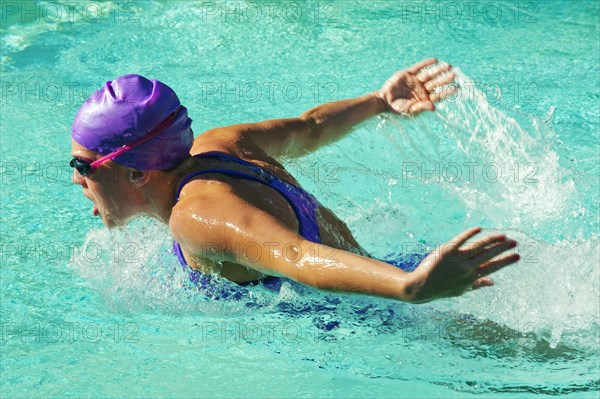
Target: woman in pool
{"type": "Point", "coordinates": [234, 210]}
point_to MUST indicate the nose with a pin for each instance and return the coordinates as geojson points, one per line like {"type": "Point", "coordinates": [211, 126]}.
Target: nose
{"type": "Point", "coordinates": [77, 178]}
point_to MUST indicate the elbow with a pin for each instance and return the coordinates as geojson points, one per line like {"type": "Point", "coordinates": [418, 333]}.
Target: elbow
{"type": "Point", "coordinates": [312, 127]}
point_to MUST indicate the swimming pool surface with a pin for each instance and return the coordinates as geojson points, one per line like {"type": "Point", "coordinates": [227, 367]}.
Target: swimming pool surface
{"type": "Point", "coordinates": [87, 312]}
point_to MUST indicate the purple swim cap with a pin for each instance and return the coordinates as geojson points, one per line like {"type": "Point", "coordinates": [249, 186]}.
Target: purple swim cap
{"type": "Point", "coordinates": [126, 110]}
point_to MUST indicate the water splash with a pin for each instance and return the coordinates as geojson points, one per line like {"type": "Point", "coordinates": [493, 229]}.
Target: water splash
{"type": "Point", "coordinates": [134, 269]}
{"type": "Point", "coordinates": [505, 164]}
{"type": "Point", "coordinates": [503, 167]}
{"type": "Point", "coordinates": [131, 266]}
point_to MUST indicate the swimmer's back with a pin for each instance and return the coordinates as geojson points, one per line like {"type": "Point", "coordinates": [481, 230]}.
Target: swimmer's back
{"type": "Point", "coordinates": [231, 140]}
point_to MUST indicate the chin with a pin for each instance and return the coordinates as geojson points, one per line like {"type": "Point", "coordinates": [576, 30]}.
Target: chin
{"type": "Point", "coordinates": [113, 223]}
{"type": "Point", "coordinates": [117, 218]}
{"type": "Point", "coordinates": [109, 223]}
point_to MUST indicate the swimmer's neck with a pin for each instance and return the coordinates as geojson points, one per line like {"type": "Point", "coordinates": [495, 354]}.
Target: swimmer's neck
{"type": "Point", "coordinates": [159, 193]}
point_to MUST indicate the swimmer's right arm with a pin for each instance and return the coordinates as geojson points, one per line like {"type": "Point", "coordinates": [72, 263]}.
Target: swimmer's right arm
{"type": "Point", "coordinates": [259, 241]}
{"type": "Point", "coordinates": [408, 92]}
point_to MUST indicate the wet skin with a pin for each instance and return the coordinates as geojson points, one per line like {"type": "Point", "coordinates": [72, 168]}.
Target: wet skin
{"type": "Point", "coordinates": [235, 216]}
{"type": "Point", "coordinates": [114, 195]}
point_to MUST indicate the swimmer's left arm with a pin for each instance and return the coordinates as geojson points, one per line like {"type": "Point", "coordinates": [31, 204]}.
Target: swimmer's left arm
{"type": "Point", "coordinates": [408, 92]}
{"type": "Point", "coordinates": [296, 137]}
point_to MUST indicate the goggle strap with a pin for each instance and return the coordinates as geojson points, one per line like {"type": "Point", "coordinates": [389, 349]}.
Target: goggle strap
{"type": "Point", "coordinates": [155, 132]}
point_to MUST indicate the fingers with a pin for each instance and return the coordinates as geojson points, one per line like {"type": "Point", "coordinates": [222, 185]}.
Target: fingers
{"type": "Point", "coordinates": [422, 64]}
{"type": "Point", "coordinates": [439, 81]}
{"type": "Point", "coordinates": [436, 81]}
{"type": "Point", "coordinates": [493, 266]}
{"type": "Point", "coordinates": [482, 282]}
{"type": "Point", "coordinates": [462, 238]}
{"type": "Point", "coordinates": [494, 250]}
{"type": "Point", "coordinates": [432, 73]}
{"type": "Point", "coordinates": [477, 247]}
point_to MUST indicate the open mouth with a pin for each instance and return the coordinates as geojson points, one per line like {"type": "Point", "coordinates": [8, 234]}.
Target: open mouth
{"type": "Point", "coordinates": [95, 211]}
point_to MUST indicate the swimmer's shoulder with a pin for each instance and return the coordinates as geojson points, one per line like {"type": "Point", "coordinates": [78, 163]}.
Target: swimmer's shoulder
{"type": "Point", "coordinates": [230, 140]}
{"type": "Point", "coordinates": [204, 208]}
{"type": "Point", "coordinates": [219, 139]}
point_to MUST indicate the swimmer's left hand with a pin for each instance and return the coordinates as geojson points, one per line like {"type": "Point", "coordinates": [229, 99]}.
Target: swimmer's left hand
{"type": "Point", "coordinates": [416, 88]}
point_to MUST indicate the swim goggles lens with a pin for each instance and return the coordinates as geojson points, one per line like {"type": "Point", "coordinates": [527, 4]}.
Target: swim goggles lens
{"type": "Point", "coordinates": [83, 166]}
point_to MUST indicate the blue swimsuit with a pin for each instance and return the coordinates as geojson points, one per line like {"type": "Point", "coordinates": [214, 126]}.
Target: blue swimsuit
{"type": "Point", "coordinates": [302, 202]}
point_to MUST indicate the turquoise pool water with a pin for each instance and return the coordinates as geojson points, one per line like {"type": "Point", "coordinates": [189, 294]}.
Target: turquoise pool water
{"type": "Point", "coordinates": [88, 312]}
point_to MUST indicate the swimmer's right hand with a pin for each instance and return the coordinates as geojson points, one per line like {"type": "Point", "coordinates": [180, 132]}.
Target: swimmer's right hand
{"type": "Point", "coordinates": [454, 267]}
{"type": "Point", "coordinates": [414, 89]}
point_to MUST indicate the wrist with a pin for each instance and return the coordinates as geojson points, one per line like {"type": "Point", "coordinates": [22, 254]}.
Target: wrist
{"type": "Point", "coordinates": [412, 289]}
{"type": "Point", "coordinates": [382, 104]}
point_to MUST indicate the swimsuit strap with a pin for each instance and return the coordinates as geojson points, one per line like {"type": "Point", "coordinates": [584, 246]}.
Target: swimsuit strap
{"type": "Point", "coordinates": [302, 202]}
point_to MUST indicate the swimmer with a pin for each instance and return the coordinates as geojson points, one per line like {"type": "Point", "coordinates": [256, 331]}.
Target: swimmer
{"type": "Point", "coordinates": [235, 211]}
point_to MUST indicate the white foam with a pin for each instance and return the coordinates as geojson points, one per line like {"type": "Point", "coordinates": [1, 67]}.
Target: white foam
{"type": "Point", "coordinates": [554, 290]}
